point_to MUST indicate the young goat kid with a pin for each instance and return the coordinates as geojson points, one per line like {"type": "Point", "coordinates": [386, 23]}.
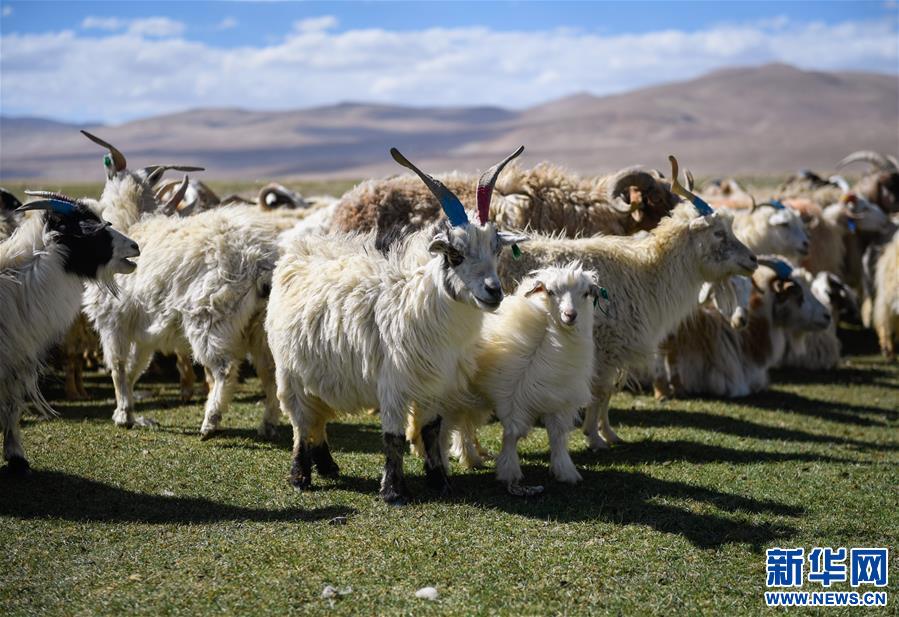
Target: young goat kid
{"type": "Point", "coordinates": [42, 269]}
{"type": "Point", "coordinates": [352, 329]}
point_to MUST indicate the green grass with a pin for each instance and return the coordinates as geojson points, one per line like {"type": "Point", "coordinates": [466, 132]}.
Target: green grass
{"type": "Point", "coordinates": [676, 521]}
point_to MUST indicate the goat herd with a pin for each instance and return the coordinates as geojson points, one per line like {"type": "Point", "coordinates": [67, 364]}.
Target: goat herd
{"type": "Point", "coordinates": [391, 298]}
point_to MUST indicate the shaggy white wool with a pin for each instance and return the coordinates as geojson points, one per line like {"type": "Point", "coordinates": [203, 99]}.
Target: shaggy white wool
{"type": "Point", "coordinates": [886, 302]}
{"type": "Point", "coordinates": [715, 359]}
{"type": "Point", "coordinates": [770, 231]}
{"type": "Point", "coordinates": [201, 284]}
{"type": "Point", "coordinates": [530, 364]}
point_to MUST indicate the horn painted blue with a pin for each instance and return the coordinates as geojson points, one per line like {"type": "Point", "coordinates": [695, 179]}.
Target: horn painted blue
{"type": "Point", "coordinates": [701, 206]}
{"type": "Point", "coordinates": [782, 269]}
{"type": "Point", "coordinates": [451, 205]}
{"type": "Point", "coordinates": [56, 205]}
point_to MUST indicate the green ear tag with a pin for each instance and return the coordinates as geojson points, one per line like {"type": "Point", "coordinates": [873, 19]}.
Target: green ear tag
{"type": "Point", "coordinates": [107, 160]}
{"type": "Point", "coordinates": [604, 293]}
{"type": "Point", "coordinates": [516, 252]}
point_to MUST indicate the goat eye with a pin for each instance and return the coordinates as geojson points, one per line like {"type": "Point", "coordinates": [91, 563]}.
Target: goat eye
{"type": "Point", "coordinates": [550, 292]}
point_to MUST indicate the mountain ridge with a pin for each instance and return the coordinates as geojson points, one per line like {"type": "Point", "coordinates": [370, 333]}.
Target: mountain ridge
{"type": "Point", "coordinates": [768, 119]}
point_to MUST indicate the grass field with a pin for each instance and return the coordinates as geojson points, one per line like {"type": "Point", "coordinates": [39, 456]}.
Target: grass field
{"type": "Point", "coordinates": [676, 521]}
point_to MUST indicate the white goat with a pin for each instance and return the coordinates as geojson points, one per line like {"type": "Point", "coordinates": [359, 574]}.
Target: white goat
{"type": "Point", "coordinates": [42, 269]}
{"type": "Point", "coordinates": [653, 282]}
{"type": "Point", "coordinates": [353, 329]}
{"type": "Point", "coordinates": [886, 302]}
{"type": "Point", "coordinates": [771, 228]}
{"type": "Point", "coordinates": [821, 350]}
{"type": "Point", "coordinates": [201, 289]}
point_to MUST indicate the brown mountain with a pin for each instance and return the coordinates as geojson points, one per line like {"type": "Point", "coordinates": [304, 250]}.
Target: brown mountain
{"type": "Point", "coordinates": [773, 118]}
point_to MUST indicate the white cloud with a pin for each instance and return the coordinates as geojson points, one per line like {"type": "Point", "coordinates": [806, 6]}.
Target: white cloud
{"type": "Point", "coordinates": [7, 11]}
{"type": "Point", "coordinates": [147, 26]}
{"type": "Point", "coordinates": [102, 23]}
{"type": "Point", "coordinates": [132, 72]}
{"type": "Point", "coordinates": [156, 26]}
{"type": "Point", "coordinates": [316, 24]}
{"type": "Point", "coordinates": [226, 24]}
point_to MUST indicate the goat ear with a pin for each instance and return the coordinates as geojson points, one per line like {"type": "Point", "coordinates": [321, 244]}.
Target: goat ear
{"type": "Point", "coordinates": [439, 244]}
{"type": "Point", "coordinates": [506, 238]}
{"type": "Point", "coordinates": [700, 223]}
{"type": "Point", "coordinates": [536, 287]}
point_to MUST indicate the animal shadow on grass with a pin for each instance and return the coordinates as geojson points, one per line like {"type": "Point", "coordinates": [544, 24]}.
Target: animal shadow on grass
{"type": "Point", "coordinates": [653, 451]}
{"type": "Point", "coordinates": [342, 437]}
{"type": "Point", "coordinates": [634, 498]}
{"type": "Point", "coordinates": [789, 402]}
{"type": "Point", "coordinates": [843, 375]}
{"type": "Point", "coordinates": [54, 494]}
{"type": "Point", "coordinates": [672, 417]}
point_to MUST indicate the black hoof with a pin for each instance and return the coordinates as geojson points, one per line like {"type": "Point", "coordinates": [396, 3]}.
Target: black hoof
{"type": "Point", "coordinates": [324, 462]}
{"type": "Point", "coordinates": [18, 467]}
{"type": "Point", "coordinates": [301, 483]}
{"type": "Point", "coordinates": [395, 498]}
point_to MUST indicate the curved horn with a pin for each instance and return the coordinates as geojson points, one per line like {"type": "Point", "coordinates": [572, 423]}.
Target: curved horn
{"type": "Point", "coordinates": [688, 177]}
{"type": "Point", "coordinates": [165, 187]}
{"type": "Point", "coordinates": [117, 157]}
{"type": "Point", "coordinates": [839, 181]}
{"type": "Point", "coordinates": [782, 269]}
{"type": "Point", "coordinates": [676, 187]}
{"type": "Point", "coordinates": [55, 202]}
{"type": "Point", "coordinates": [171, 205]}
{"type": "Point", "coordinates": [869, 156]}
{"type": "Point", "coordinates": [153, 173]}
{"type": "Point", "coordinates": [486, 183]}
{"type": "Point", "coordinates": [451, 205]}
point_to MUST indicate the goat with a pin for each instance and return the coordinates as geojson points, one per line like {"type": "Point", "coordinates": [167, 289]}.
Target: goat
{"type": "Point", "coordinates": [821, 350]}
{"type": "Point", "coordinates": [202, 285]}
{"type": "Point", "coordinates": [713, 358]}
{"type": "Point", "coordinates": [546, 198]}
{"type": "Point", "coordinates": [771, 227]}
{"type": "Point", "coordinates": [886, 301]}
{"type": "Point", "coordinates": [880, 187]}
{"type": "Point", "coordinates": [351, 328]}
{"type": "Point", "coordinates": [43, 266]}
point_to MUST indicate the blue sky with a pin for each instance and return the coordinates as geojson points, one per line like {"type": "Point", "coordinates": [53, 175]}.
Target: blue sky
{"type": "Point", "coordinates": [114, 61]}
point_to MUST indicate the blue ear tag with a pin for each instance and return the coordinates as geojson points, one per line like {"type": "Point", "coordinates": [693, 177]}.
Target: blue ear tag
{"type": "Point", "coordinates": [516, 252]}
{"type": "Point", "coordinates": [778, 205]}
{"type": "Point", "coordinates": [107, 161]}
{"type": "Point", "coordinates": [852, 226]}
